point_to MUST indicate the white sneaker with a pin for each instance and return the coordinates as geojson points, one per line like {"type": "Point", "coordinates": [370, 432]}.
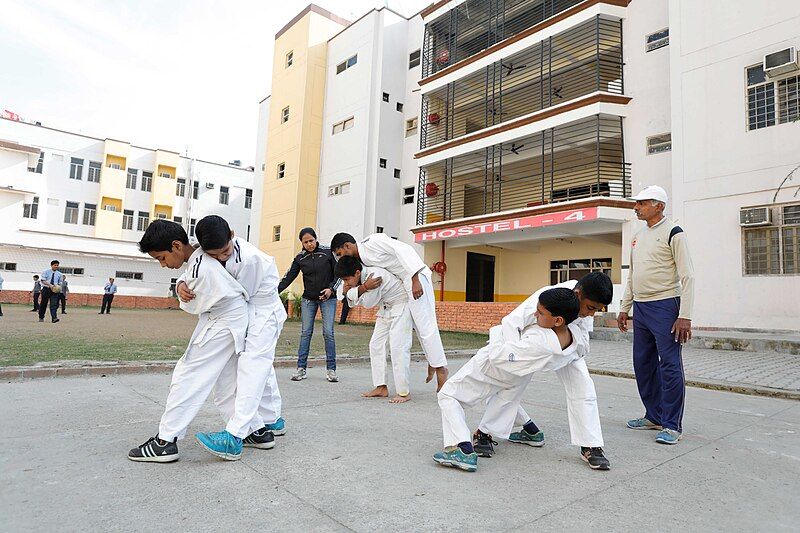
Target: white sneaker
{"type": "Point", "coordinates": [300, 374]}
{"type": "Point", "coordinates": [331, 376]}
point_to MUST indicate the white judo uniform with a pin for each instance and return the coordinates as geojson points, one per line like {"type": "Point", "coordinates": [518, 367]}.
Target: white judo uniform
{"type": "Point", "coordinates": [247, 391]}
{"type": "Point", "coordinates": [221, 304]}
{"type": "Point", "coordinates": [379, 250]}
{"type": "Point", "coordinates": [392, 328]}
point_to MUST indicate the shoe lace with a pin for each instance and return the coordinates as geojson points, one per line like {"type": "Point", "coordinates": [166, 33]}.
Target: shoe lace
{"type": "Point", "coordinates": [154, 440]}
{"type": "Point", "coordinates": [597, 452]}
{"type": "Point", "coordinates": [485, 438]}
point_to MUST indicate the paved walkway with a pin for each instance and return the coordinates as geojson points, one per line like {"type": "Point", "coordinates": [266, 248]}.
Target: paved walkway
{"type": "Point", "coordinates": [350, 464]}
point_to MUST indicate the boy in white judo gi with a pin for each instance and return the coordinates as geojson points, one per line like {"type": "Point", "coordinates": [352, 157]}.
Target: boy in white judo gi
{"type": "Point", "coordinates": [221, 304]}
{"type": "Point", "coordinates": [380, 250]}
{"type": "Point", "coordinates": [392, 323]}
{"type": "Point", "coordinates": [595, 291]}
{"type": "Point", "coordinates": [504, 368]}
{"type": "Point", "coordinates": [247, 390]}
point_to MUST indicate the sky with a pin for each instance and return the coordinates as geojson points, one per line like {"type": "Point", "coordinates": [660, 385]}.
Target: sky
{"type": "Point", "coordinates": [184, 75]}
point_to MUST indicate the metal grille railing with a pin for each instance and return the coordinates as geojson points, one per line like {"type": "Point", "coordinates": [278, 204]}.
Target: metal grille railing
{"type": "Point", "coordinates": [571, 64]}
{"type": "Point", "coordinates": [475, 25]}
{"type": "Point", "coordinates": [577, 160]}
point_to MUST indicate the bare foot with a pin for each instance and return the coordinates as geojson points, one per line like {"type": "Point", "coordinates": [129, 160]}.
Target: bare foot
{"type": "Point", "coordinates": [431, 371]}
{"type": "Point", "coordinates": [441, 377]}
{"type": "Point", "coordinates": [381, 391]}
{"type": "Point", "coordinates": [400, 399]}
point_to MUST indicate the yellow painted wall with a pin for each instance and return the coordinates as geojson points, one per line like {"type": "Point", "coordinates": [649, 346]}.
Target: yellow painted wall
{"type": "Point", "coordinates": [163, 192]}
{"type": "Point", "coordinates": [518, 274]}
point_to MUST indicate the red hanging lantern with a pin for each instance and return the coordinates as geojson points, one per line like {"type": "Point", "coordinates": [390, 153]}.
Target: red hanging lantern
{"type": "Point", "coordinates": [431, 189]}
{"type": "Point", "coordinates": [440, 267]}
{"type": "Point", "coordinates": [434, 118]}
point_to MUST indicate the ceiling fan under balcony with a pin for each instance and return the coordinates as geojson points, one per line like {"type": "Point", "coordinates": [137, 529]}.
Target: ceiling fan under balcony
{"type": "Point", "coordinates": [510, 67]}
{"type": "Point", "coordinates": [514, 148]}
{"type": "Point", "coordinates": [496, 113]}
{"type": "Point", "coordinates": [556, 91]}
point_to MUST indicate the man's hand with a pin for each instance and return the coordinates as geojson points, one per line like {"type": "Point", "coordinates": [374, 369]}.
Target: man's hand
{"type": "Point", "coordinates": [416, 287]}
{"type": "Point", "coordinates": [372, 282]}
{"type": "Point", "coordinates": [324, 294]}
{"type": "Point", "coordinates": [184, 292]}
{"type": "Point", "coordinates": [622, 322]}
{"type": "Point", "coordinates": [682, 329]}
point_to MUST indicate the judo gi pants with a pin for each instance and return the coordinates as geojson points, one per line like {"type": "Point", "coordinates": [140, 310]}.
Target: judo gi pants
{"type": "Point", "coordinates": [247, 391]}
{"type": "Point", "coordinates": [394, 333]}
{"type": "Point", "coordinates": [658, 363]}
{"type": "Point", "coordinates": [193, 379]}
{"type": "Point", "coordinates": [423, 313]}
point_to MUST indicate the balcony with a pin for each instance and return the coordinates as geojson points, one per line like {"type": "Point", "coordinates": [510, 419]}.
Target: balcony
{"type": "Point", "coordinates": [108, 224]}
{"type": "Point", "coordinates": [163, 191]}
{"type": "Point", "coordinates": [574, 63]}
{"type": "Point", "coordinates": [475, 25]}
{"type": "Point", "coordinates": [112, 182]}
{"type": "Point", "coordinates": [579, 160]}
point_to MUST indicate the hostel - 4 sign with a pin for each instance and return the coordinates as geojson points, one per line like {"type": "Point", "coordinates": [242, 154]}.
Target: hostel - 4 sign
{"type": "Point", "coordinates": [510, 224]}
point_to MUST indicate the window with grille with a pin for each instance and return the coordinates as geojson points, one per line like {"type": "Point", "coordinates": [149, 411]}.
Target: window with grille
{"type": "Point", "coordinates": [248, 198]}
{"type": "Point", "coordinates": [77, 271]}
{"type": "Point", "coordinates": [130, 181]}
{"type": "Point", "coordinates": [76, 169]}
{"type": "Point", "coordinates": [339, 189]}
{"type": "Point", "coordinates": [71, 213]}
{"type": "Point", "coordinates": [123, 274]}
{"type": "Point", "coordinates": [180, 187]}
{"type": "Point", "coordinates": [789, 100]}
{"type": "Point", "coordinates": [89, 214]}
{"type": "Point", "coordinates": [223, 195]}
{"type": "Point", "coordinates": [567, 269]}
{"type": "Point", "coordinates": [281, 170]}
{"type": "Point", "coordinates": [408, 195]}
{"type": "Point", "coordinates": [195, 189]}
{"type": "Point", "coordinates": [774, 247]}
{"type": "Point", "coordinates": [760, 99]}
{"type": "Point", "coordinates": [94, 171]}
{"type": "Point", "coordinates": [165, 175]}
{"type": "Point", "coordinates": [147, 181]}
{"type": "Point", "coordinates": [276, 233]}
{"type": "Point", "coordinates": [11, 267]}
{"type": "Point", "coordinates": [192, 224]}
{"type": "Point", "coordinates": [285, 115]}
{"type": "Point", "coordinates": [127, 219]}
{"type": "Point", "coordinates": [413, 59]}
{"type": "Point", "coordinates": [31, 210]}
{"type": "Point", "coordinates": [289, 58]}
{"type": "Point", "coordinates": [143, 221]}
{"type": "Point", "coordinates": [659, 143]}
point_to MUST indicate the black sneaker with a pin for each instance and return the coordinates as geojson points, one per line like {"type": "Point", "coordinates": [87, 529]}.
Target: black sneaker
{"type": "Point", "coordinates": [262, 439]}
{"type": "Point", "coordinates": [483, 444]}
{"type": "Point", "coordinates": [595, 458]}
{"type": "Point", "coordinates": [155, 450]}
{"type": "Point", "coordinates": [56, 320]}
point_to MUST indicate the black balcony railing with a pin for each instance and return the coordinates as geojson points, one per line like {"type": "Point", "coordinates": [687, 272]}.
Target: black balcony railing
{"type": "Point", "coordinates": [577, 160]}
{"type": "Point", "coordinates": [571, 64]}
{"type": "Point", "coordinates": [475, 25]}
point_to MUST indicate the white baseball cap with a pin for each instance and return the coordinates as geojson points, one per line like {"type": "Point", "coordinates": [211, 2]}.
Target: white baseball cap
{"type": "Point", "coordinates": [652, 192]}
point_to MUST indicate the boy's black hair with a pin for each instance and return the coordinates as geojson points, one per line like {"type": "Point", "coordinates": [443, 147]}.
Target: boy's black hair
{"type": "Point", "coordinates": [347, 266]}
{"type": "Point", "coordinates": [159, 236]}
{"type": "Point", "coordinates": [561, 302]}
{"type": "Point", "coordinates": [597, 287]}
{"type": "Point", "coordinates": [55, 262]}
{"type": "Point", "coordinates": [212, 232]}
{"type": "Point", "coordinates": [340, 239]}
{"type": "Point", "coordinates": [307, 230]}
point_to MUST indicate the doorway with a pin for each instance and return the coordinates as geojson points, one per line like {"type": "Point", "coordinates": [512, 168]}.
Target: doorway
{"type": "Point", "coordinates": [480, 277]}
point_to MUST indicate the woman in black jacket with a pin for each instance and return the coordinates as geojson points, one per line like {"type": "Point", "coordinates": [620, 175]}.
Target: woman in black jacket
{"type": "Point", "coordinates": [317, 263]}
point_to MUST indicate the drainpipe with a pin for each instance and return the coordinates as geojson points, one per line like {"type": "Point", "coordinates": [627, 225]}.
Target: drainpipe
{"type": "Point", "coordinates": [441, 289]}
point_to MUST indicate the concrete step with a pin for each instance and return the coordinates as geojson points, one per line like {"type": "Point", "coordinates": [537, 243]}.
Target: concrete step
{"type": "Point", "coordinates": [742, 341]}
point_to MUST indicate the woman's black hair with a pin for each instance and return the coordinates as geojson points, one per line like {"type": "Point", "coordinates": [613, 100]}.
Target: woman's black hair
{"type": "Point", "coordinates": [309, 231]}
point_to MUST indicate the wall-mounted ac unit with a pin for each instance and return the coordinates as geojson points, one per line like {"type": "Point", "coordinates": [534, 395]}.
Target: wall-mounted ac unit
{"type": "Point", "coordinates": [209, 185]}
{"type": "Point", "coordinates": [755, 216]}
{"type": "Point", "coordinates": [780, 62]}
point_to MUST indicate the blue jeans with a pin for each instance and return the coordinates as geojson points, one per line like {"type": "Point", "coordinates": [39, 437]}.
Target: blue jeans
{"type": "Point", "coordinates": [309, 312]}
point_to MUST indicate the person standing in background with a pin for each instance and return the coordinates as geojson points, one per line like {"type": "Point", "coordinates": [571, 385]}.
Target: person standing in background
{"type": "Point", "coordinates": [109, 291]}
{"type": "Point", "coordinates": [62, 296]}
{"type": "Point", "coordinates": [37, 290]}
{"type": "Point", "coordinates": [51, 286]}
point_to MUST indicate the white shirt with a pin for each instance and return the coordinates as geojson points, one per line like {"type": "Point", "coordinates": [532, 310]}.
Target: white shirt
{"type": "Point", "coordinates": [391, 295]}
{"type": "Point", "coordinates": [257, 273]}
{"type": "Point", "coordinates": [215, 290]}
{"type": "Point", "coordinates": [380, 250]}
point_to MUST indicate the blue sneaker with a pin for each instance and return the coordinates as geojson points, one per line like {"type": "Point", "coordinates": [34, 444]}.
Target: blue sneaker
{"type": "Point", "coordinates": [456, 458]}
{"type": "Point", "coordinates": [523, 437]}
{"type": "Point", "coordinates": [668, 436]}
{"type": "Point", "coordinates": [642, 423]}
{"type": "Point", "coordinates": [221, 444]}
{"type": "Point", "coordinates": [278, 428]}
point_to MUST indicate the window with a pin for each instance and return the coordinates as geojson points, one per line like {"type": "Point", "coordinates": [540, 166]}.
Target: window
{"type": "Point", "coordinates": [413, 59]}
{"type": "Point", "coordinates": [147, 181]}
{"type": "Point", "coordinates": [71, 213]}
{"type": "Point", "coordinates": [122, 274]}
{"type": "Point", "coordinates": [195, 189]}
{"type": "Point", "coordinates": [248, 198]}
{"type": "Point", "coordinates": [397, 173]}
{"type": "Point", "coordinates": [281, 170]}
{"type": "Point", "coordinates": [788, 100]}
{"type": "Point", "coordinates": [180, 187]}
{"type": "Point", "coordinates": [343, 125]}
{"type": "Point", "coordinates": [344, 65]}
{"type": "Point", "coordinates": [165, 175]}
{"type": "Point", "coordinates": [31, 210]}
{"type": "Point", "coordinates": [223, 195]}
{"type": "Point", "coordinates": [411, 127]}
{"type": "Point", "coordinates": [379, 229]}
{"type": "Point", "coordinates": [89, 214]}
{"type": "Point", "coordinates": [382, 163]}
{"type": "Point", "coordinates": [408, 195]}
{"type": "Point", "coordinates": [39, 164]}
{"type": "Point", "coordinates": [565, 270]}
{"type": "Point", "coordinates": [173, 283]}
{"type": "Point", "coordinates": [248, 233]}
{"type": "Point", "coordinates": [385, 97]}
{"type": "Point", "coordinates": [130, 181]}
{"type": "Point", "coordinates": [178, 220]}
{"type": "Point", "coordinates": [76, 169]}
{"type": "Point", "coordinates": [399, 107]}
{"type": "Point", "coordinates": [127, 219]}
{"type": "Point", "coordinates": [115, 166]}
{"type": "Point", "coordinates": [773, 248]}
{"type": "Point", "coordinates": [110, 207]}
{"type": "Point", "coordinates": [656, 40]}
{"type": "Point", "coordinates": [339, 189]}
{"type": "Point", "coordinates": [11, 267]}
{"type": "Point", "coordinates": [760, 99]}
{"type": "Point", "coordinates": [276, 233]}
{"type": "Point", "coordinates": [162, 216]}
{"type": "Point", "coordinates": [289, 58]}
{"type": "Point", "coordinates": [285, 115]}
{"type": "Point", "coordinates": [94, 171]}
{"type": "Point", "coordinates": [143, 221]}
{"type": "Point", "coordinates": [659, 143]}
{"type": "Point", "coordinates": [192, 224]}
{"type": "Point", "coordinates": [78, 271]}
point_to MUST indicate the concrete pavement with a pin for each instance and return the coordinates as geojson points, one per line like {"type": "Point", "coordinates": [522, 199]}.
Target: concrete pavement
{"type": "Point", "coordinates": [350, 464]}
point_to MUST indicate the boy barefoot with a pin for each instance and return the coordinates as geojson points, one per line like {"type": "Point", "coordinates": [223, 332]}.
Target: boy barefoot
{"type": "Point", "coordinates": [375, 287]}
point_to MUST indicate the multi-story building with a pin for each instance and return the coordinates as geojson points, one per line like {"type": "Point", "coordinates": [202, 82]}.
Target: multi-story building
{"type": "Point", "coordinates": [87, 201]}
{"type": "Point", "coordinates": [503, 138]}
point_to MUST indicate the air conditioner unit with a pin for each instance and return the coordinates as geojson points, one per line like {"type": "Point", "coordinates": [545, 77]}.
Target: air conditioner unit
{"type": "Point", "coordinates": [780, 62]}
{"type": "Point", "coordinates": [755, 216]}
{"type": "Point", "coordinates": [209, 185]}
